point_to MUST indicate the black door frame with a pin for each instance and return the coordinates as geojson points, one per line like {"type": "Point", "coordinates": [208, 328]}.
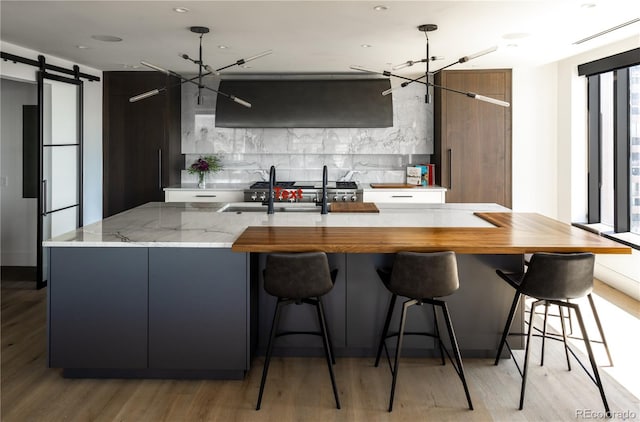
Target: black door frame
{"type": "Point", "coordinates": [42, 206]}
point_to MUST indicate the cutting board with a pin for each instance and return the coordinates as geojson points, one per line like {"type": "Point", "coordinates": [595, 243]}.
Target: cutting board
{"type": "Point", "coordinates": [391, 185]}
{"type": "Point", "coordinates": [354, 207]}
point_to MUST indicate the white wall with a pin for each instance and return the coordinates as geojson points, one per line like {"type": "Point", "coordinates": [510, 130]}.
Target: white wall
{"type": "Point", "coordinates": [17, 214]}
{"type": "Point", "coordinates": [92, 132]}
{"type": "Point", "coordinates": [549, 151]}
{"type": "Point", "coordinates": [534, 140]}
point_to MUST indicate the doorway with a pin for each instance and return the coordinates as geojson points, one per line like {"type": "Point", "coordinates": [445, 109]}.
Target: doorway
{"type": "Point", "coordinates": [18, 201]}
{"type": "Point", "coordinates": [41, 176]}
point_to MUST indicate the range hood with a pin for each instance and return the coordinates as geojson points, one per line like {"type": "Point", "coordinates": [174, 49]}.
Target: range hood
{"type": "Point", "coordinates": [302, 103]}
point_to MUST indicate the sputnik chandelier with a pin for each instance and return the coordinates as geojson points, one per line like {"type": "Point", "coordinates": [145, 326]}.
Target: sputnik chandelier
{"type": "Point", "coordinates": [203, 70]}
{"type": "Point", "coordinates": [426, 29]}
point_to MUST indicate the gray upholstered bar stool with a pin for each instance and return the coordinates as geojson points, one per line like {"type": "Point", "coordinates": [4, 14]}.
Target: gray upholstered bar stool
{"type": "Point", "coordinates": [554, 279]}
{"type": "Point", "coordinates": [421, 277]}
{"type": "Point", "coordinates": [299, 278]}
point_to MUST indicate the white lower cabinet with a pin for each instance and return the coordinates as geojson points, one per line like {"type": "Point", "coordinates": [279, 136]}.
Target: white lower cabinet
{"type": "Point", "coordinates": [203, 195]}
{"type": "Point", "coordinates": [412, 196]}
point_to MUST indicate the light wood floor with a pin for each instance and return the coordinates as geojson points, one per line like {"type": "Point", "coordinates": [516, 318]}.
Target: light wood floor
{"type": "Point", "coordinates": [298, 389]}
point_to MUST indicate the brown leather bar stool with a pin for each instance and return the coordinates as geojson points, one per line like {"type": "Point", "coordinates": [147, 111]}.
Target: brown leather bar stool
{"type": "Point", "coordinates": [299, 278]}
{"type": "Point", "coordinates": [421, 277]}
{"type": "Point", "coordinates": [554, 279]}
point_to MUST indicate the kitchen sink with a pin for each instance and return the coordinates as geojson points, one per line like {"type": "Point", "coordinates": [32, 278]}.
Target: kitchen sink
{"type": "Point", "coordinates": [258, 208]}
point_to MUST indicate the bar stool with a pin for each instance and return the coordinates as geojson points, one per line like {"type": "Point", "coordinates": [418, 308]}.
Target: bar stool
{"type": "Point", "coordinates": [299, 278]}
{"type": "Point", "coordinates": [421, 277]}
{"type": "Point", "coordinates": [554, 279]}
{"type": "Point", "coordinates": [567, 318]}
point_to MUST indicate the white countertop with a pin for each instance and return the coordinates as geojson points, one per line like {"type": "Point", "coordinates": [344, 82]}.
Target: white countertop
{"type": "Point", "coordinates": [367, 187]}
{"type": "Point", "coordinates": [242, 186]}
{"type": "Point", "coordinates": [177, 224]}
{"type": "Point", "coordinates": [210, 186]}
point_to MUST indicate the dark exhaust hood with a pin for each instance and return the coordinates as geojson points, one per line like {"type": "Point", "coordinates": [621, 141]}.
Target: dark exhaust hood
{"type": "Point", "coordinates": [306, 103]}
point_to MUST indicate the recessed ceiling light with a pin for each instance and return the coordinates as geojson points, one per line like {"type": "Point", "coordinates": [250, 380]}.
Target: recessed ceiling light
{"type": "Point", "coordinates": [106, 38]}
{"type": "Point", "coordinates": [380, 8]}
{"type": "Point", "coordinates": [82, 47]}
{"type": "Point", "coordinates": [222, 47]}
{"type": "Point", "coordinates": [588, 5]}
{"type": "Point", "coordinates": [245, 66]}
{"type": "Point", "coordinates": [515, 36]}
{"type": "Point", "coordinates": [130, 66]}
{"type": "Point", "coordinates": [512, 45]}
{"type": "Point", "coordinates": [365, 45]}
{"type": "Point", "coordinates": [180, 9]}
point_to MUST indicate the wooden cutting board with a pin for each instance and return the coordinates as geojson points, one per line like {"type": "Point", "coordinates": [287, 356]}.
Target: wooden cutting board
{"type": "Point", "coordinates": [391, 185]}
{"type": "Point", "coordinates": [354, 207]}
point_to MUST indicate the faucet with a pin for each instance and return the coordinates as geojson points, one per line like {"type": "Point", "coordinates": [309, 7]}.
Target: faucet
{"type": "Point", "coordinates": [272, 182]}
{"type": "Point", "coordinates": [324, 209]}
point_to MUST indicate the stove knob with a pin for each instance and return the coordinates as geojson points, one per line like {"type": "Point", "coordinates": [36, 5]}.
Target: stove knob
{"type": "Point", "coordinates": [335, 197]}
{"type": "Point", "coordinates": [344, 198]}
{"type": "Point", "coordinates": [263, 196]}
{"type": "Point", "coordinates": [254, 196]}
{"type": "Point", "coordinates": [353, 198]}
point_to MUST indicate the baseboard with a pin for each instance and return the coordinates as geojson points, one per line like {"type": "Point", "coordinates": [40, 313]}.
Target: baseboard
{"type": "Point", "coordinates": [14, 273]}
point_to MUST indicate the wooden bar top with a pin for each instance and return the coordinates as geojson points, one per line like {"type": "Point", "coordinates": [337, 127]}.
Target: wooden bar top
{"type": "Point", "coordinates": [515, 233]}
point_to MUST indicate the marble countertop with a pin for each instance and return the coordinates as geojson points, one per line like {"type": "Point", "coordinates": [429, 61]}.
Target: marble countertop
{"type": "Point", "coordinates": [367, 187]}
{"type": "Point", "coordinates": [210, 186]}
{"type": "Point", "coordinates": [242, 186]}
{"type": "Point", "coordinates": [177, 224]}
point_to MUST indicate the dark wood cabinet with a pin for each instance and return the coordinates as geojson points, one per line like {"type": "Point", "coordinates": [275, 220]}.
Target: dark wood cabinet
{"type": "Point", "coordinates": [141, 140]}
{"type": "Point", "coordinates": [472, 147]}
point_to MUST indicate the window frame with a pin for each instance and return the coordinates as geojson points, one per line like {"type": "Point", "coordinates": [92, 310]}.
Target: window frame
{"type": "Point", "coordinates": [619, 64]}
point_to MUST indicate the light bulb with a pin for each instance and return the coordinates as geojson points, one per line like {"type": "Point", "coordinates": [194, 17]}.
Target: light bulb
{"type": "Point", "coordinates": [491, 100]}
{"type": "Point", "coordinates": [144, 95]}
{"type": "Point", "coordinates": [240, 101]}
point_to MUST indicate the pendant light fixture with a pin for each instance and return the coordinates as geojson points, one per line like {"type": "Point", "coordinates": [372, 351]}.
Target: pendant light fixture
{"type": "Point", "coordinates": [428, 28]}
{"type": "Point", "coordinates": [203, 70]}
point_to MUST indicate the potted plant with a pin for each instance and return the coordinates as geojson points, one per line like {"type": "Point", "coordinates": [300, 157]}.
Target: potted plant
{"type": "Point", "coordinates": [205, 165]}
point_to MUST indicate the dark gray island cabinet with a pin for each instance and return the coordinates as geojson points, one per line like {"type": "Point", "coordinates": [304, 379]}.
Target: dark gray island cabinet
{"type": "Point", "coordinates": [149, 312]}
{"type": "Point", "coordinates": [174, 290]}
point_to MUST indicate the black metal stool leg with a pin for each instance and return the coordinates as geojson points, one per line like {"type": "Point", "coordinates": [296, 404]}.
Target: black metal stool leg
{"type": "Point", "coordinates": [564, 335]}
{"type": "Point", "coordinates": [396, 364]}
{"type": "Point", "coordinates": [272, 336]}
{"type": "Point", "coordinates": [385, 330]}
{"type": "Point", "coordinates": [328, 352]}
{"type": "Point", "coordinates": [333, 356]}
{"type": "Point", "coordinates": [456, 352]}
{"type": "Point", "coordinates": [507, 326]}
{"type": "Point", "coordinates": [594, 366]}
{"type": "Point", "coordinates": [526, 353]}
{"type": "Point", "coordinates": [544, 332]}
{"type": "Point", "coordinates": [437, 331]}
{"type": "Point", "coordinates": [570, 320]}
{"type": "Point", "coordinates": [597, 318]}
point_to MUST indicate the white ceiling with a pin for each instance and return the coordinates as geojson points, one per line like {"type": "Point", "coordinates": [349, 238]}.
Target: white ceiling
{"type": "Point", "coordinates": [314, 36]}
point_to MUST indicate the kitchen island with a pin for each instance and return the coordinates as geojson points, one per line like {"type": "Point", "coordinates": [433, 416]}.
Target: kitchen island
{"type": "Point", "coordinates": [174, 289]}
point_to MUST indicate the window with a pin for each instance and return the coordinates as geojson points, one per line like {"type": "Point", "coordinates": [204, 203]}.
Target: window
{"type": "Point", "coordinates": [614, 143]}
{"type": "Point", "coordinates": [634, 147]}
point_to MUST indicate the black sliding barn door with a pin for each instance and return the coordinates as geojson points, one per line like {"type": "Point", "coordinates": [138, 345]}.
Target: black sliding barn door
{"type": "Point", "coordinates": [59, 161]}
